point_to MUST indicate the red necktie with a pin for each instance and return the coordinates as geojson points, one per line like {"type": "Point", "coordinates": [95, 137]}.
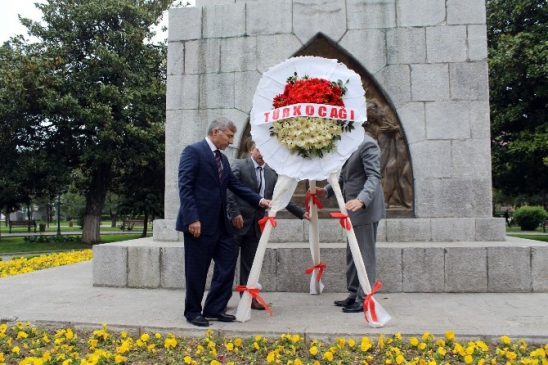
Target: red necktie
{"type": "Point", "coordinates": [219, 164]}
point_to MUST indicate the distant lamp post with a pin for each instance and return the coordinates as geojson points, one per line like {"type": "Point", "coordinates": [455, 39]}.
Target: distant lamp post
{"type": "Point", "coordinates": [59, 214]}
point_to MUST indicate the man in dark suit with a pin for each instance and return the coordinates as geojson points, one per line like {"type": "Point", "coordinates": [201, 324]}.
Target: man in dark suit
{"type": "Point", "coordinates": [204, 177]}
{"type": "Point", "coordinates": [255, 174]}
{"type": "Point", "coordinates": [360, 181]}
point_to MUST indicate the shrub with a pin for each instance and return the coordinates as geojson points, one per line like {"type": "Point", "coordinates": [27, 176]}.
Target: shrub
{"type": "Point", "coordinates": [529, 218]}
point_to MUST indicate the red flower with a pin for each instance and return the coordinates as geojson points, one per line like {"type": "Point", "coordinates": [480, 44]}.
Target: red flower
{"type": "Point", "coordinates": [315, 90]}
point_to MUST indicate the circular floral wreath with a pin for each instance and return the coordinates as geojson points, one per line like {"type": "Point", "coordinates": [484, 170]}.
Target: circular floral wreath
{"type": "Point", "coordinates": [303, 116]}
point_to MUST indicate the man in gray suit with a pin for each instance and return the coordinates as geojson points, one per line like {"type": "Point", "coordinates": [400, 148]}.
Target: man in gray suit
{"type": "Point", "coordinates": [360, 182]}
{"type": "Point", "coordinates": [255, 174]}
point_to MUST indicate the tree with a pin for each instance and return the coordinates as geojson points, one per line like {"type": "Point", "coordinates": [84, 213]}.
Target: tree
{"type": "Point", "coordinates": [518, 67]}
{"type": "Point", "coordinates": [100, 89]}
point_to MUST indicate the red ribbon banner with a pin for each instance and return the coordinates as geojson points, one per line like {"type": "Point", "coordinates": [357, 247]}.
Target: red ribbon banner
{"type": "Point", "coordinates": [369, 303]}
{"type": "Point", "coordinates": [254, 294]}
{"type": "Point", "coordinates": [343, 219]}
{"type": "Point", "coordinates": [262, 222]}
{"type": "Point", "coordinates": [321, 266]}
{"type": "Point", "coordinates": [315, 201]}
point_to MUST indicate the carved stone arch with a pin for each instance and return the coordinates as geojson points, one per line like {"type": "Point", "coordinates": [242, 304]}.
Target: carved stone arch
{"type": "Point", "coordinates": [383, 125]}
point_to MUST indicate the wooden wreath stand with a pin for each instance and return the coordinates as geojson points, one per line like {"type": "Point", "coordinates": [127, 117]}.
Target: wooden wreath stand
{"type": "Point", "coordinates": [375, 315]}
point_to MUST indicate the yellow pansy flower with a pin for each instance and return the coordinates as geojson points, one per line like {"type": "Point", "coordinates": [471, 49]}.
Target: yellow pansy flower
{"type": "Point", "coordinates": [328, 356]}
{"type": "Point", "coordinates": [450, 335]}
{"type": "Point", "coordinates": [313, 350]}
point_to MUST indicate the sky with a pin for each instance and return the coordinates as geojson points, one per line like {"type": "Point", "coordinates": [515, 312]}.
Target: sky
{"type": "Point", "coordinates": [10, 25]}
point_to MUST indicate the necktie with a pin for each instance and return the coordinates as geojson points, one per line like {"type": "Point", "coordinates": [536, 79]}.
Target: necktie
{"type": "Point", "coordinates": [260, 179]}
{"type": "Point", "coordinates": [219, 164]}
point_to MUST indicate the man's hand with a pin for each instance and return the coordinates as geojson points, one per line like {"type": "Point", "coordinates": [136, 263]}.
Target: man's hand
{"type": "Point", "coordinates": [306, 216]}
{"type": "Point", "coordinates": [238, 221]}
{"type": "Point", "coordinates": [265, 203]}
{"type": "Point", "coordinates": [320, 192]}
{"type": "Point", "coordinates": [195, 229]}
{"type": "Point", "coordinates": [354, 204]}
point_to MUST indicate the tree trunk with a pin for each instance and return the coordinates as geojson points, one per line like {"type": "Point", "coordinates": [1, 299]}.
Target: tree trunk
{"type": "Point", "coordinates": [145, 225]}
{"type": "Point", "coordinates": [95, 200]}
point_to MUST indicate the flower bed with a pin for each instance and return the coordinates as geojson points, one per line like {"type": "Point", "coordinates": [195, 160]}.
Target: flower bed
{"type": "Point", "coordinates": [25, 344]}
{"type": "Point", "coordinates": [24, 265]}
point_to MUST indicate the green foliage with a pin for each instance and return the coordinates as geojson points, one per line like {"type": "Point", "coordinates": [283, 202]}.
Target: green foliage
{"type": "Point", "coordinates": [51, 239]}
{"type": "Point", "coordinates": [85, 103]}
{"type": "Point", "coordinates": [529, 218]}
{"type": "Point", "coordinates": [518, 68]}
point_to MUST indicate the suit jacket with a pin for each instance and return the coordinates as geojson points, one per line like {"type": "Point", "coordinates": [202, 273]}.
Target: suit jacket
{"type": "Point", "coordinates": [361, 178]}
{"type": "Point", "coordinates": [244, 170]}
{"type": "Point", "coordinates": [202, 194]}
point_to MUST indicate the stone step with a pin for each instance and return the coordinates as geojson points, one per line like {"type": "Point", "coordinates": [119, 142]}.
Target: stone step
{"type": "Point", "coordinates": [512, 266]}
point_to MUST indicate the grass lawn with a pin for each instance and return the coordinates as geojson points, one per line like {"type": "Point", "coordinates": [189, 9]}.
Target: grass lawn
{"type": "Point", "coordinates": [540, 237]}
{"type": "Point", "coordinates": [10, 245]}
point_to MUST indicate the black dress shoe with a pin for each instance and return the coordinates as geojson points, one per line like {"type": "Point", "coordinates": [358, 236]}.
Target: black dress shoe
{"type": "Point", "coordinates": [353, 308]}
{"type": "Point", "coordinates": [222, 317]}
{"type": "Point", "coordinates": [344, 303]}
{"type": "Point", "coordinates": [199, 321]}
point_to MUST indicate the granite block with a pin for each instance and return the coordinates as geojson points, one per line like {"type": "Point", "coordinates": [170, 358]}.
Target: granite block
{"type": "Point", "coordinates": [245, 86]}
{"type": "Point", "coordinates": [408, 230]}
{"type": "Point", "coordinates": [311, 17]}
{"type": "Point", "coordinates": [373, 56]}
{"type": "Point", "coordinates": [412, 119]}
{"type": "Point", "coordinates": [371, 14]}
{"type": "Point", "coordinates": [330, 230]}
{"type": "Point", "coordinates": [143, 267]}
{"type": "Point", "coordinates": [184, 24]}
{"type": "Point", "coordinates": [429, 82]}
{"type": "Point", "coordinates": [172, 267]}
{"type": "Point", "coordinates": [465, 269]}
{"type": "Point", "coordinates": [480, 120]}
{"type": "Point", "coordinates": [509, 269]}
{"type": "Point", "coordinates": [238, 54]}
{"type": "Point", "coordinates": [273, 49]}
{"type": "Point", "coordinates": [406, 45]}
{"type": "Point", "coordinates": [288, 230]}
{"type": "Point", "coordinates": [292, 263]}
{"type": "Point", "coordinates": [431, 159]}
{"type": "Point", "coordinates": [417, 13]}
{"type": "Point", "coordinates": [183, 92]}
{"type": "Point", "coordinates": [176, 58]}
{"type": "Point", "coordinates": [466, 12]}
{"type": "Point", "coordinates": [110, 265]}
{"type": "Point", "coordinates": [389, 269]}
{"type": "Point", "coordinates": [203, 56]}
{"type": "Point", "coordinates": [381, 231]}
{"type": "Point", "coordinates": [452, 198]}
{"type": "Point", "coordinates": [269, 17]}
{"type": "Point", "coordinates": [453, 229]}
{"type": "Point", "coordinates": [396, 81]}
{"type": "Point", "coordinates": [471, 158]}
{"type": "Point", "coordinates": [447, 120]}
{"type": "Point", "coordinates": [423, 270]}
{"type": "Point", "coordinates": [469, 81]}
{"type": "Point", "coordinates": [539, 273]}
{"type": "Point", "coordinates": [164, 231]}
{"type": "Point", "coordinates": [223, 21]}
{"type": "Point", "coordinates": [490, 229]}
{"type": "Point", "coordinates": [446, 44]}
{"type": "Point", "coordinates": [477, 42]}
{"type": "Point", "coordinates": [269, 269]}
{"type": "Point", "coordinates": [217, 91]}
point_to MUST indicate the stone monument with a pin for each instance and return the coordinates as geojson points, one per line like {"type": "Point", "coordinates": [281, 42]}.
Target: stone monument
{"type": "Point", "coordinates": [423, 64]}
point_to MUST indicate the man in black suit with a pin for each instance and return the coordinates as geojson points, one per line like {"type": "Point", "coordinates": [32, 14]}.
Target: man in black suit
{"type": "Point", "coordinates": [204, 177]}
{"type": "Point", "coordinates": [255, 174]}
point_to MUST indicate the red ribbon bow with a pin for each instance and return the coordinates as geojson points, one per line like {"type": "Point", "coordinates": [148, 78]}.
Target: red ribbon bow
{"type": "Point", "coordinates": [315, 201]}
{"type": "Point", "coordinates": [254, 294]}
{"type": "Point", "coordinates": [320, 266]}
{"type": "Point", "coordinates": [262, 222]}
{"type": "Point", "coordinates": [343, 220]}
{"type": "Point", "coordinates": [369, 303]}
